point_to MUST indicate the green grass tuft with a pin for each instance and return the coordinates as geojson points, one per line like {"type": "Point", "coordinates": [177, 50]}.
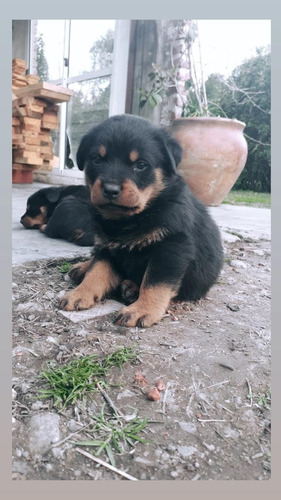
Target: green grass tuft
{"type": "Point", "coordinates": [72, 382]}
{"type": "Point", "coordinates": [112, 433]}
{"type": "Point", "coordinates": [64, 267]}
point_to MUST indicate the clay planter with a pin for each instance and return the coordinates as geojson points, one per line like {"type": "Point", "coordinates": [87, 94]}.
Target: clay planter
{"type": "Point", "coordinates": [214, 154]}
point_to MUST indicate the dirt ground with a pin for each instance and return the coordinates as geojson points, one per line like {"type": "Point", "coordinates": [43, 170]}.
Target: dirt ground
{"type": "Point", "coordinates": [212, 421]}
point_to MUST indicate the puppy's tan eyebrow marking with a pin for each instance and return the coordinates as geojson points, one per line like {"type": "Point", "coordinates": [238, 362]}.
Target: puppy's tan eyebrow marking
{"type": "Point", "coordinates": [133, 155]}
{"type": "Point", "coordinates": [102, 150]}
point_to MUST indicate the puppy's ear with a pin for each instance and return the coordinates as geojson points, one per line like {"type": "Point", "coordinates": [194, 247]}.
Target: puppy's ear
{"type": "Point", "coordinates": [172, 151]}
{"type": "Point", "coordinates": [80, 156]}
{"type": "Point", "coordinates": [83, 149]}
{"type": "Point", "coordinates": [53, 194]}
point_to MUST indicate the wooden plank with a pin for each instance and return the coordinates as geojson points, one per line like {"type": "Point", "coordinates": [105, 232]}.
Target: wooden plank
{"type": "Point", "coordinates": [32, 124]}
{"type": "Point", "coordinates": [30, 133]}
{"type": "Point", "coordinates": [47, 156]}
{"type": "Point", "coordinates": [16, 84]}
{"type": "Point", "coordinates": [28, 158]}
{"type": "Point", "coordinates": [51, 116]}
{"type": "Point", "coordinates": [35, 141]}
{"type": "Point", "coordinates": [26, 148]}
{"type": "Point", "coordinates": [15, 121]}
{"type": "Point", "coordinates": [32, 101]}
{"type": "Point", "coordinates": [20, 78]}
{"type": "Point", "coordinates": [18, 62]}
{"type": "Point", "coordinates": [16, 130]}
{"type": "Point", "coordinates": [27, 111]}
{"type": "Point", "coordinates": [46, 149]}
{"type": "Point", "coordinates": [31, 79]}
{"type": "Point", "coordinates": [47, 91]}
{"type": "Point", "coordinates": [49, 125]}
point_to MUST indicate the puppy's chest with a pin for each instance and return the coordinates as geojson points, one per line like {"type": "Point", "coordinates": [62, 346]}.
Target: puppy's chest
{"type": "Point", "coordinates": [129, 240]}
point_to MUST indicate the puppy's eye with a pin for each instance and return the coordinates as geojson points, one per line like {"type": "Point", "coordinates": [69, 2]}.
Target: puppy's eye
{"type": "Point", "coordinates": [96, 160]}
{"type": "Point", "coordinates": [141, 165]}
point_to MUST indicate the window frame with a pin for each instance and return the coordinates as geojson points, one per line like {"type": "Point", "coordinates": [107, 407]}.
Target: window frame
{"type": "Point", "coordinates": [118, 72]}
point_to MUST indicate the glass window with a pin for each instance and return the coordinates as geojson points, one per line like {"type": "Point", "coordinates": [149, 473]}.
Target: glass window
{"type": "Point", "coordinates": [49, 49]}
{"type": "Point", "coordinates": [91, 45]}
{"type": "Point", "coordinates": [88, 106]}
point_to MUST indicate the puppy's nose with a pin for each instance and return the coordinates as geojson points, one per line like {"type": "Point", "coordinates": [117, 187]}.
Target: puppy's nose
{"type": "Point", "coordinates": [111, 190]}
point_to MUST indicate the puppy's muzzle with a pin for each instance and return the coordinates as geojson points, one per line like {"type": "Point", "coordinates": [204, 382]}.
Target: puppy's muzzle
{"type": "Point", "coordinates": [111, 190]}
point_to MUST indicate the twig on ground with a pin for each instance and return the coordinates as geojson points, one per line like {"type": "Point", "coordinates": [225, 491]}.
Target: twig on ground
{"type": "Point", "coordinates": [250, 392]}
{"type": "Point", "coordinates": [226, 366]}
{"type": "Point", "coordinates": [109, 401]}
{"type": "Point", "coordinates": [165, 398]}
{"type": "Point", "coordinates": [188, 410]}
{"type": "Point", "coordinates": [210, 420]}
{"type": "Point", "coordinates": [224, 408]}
{"type": "Point", "coordinates": [105, 464]}
{"type": "Point", "coordinates": [219, 383]}
{"type": "Point", "coordinates": [219, 434]}
{"type": "Point", "coordinates": [59, 443]}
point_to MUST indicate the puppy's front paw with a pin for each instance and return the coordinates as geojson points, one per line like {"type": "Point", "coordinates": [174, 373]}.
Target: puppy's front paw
{"type": "Point", "coordinates": [134, 315]}
{"type": "Point", "coordinates": [76, 301]}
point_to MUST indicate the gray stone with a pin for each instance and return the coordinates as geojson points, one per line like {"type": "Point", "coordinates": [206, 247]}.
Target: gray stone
{"type": "Point", "coordinates": [186, 451]}
{"type": "Point", "coordinates": [188, 427]}
{"type": "Point", "coordinates": [238, 264]}
{"type": "Point", "coordinates": [44, 431]}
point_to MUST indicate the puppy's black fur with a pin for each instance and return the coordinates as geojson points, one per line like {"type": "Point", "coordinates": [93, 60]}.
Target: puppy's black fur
{"type": "Point", "coordinates": [149, 228]}
{"type": "Point", "coordinates": [61, 212]}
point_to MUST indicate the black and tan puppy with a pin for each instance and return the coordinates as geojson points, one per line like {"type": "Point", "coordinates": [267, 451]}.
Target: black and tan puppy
{"type": "Point", "coordinates": [149, 228]}
{"type": "Point", "coordinates": [61, 212]}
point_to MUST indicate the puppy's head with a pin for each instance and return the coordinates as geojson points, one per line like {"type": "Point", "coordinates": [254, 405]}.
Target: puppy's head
{"type": "Point", "coordinates": [39, 207]}
{"type": "Point", "coordinates": [128, 163]}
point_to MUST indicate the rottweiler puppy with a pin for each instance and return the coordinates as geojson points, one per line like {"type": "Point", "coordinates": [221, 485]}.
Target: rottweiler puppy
{"type": "Point", "coordinates": [149, 228]}
{"type": "Point", "coordinates": [61, 212]}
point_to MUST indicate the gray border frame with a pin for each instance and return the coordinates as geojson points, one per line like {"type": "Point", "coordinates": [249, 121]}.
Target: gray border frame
{"type": "Point", "coordinates": [124, 9]}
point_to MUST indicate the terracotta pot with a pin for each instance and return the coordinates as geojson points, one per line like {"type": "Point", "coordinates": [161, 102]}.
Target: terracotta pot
{"type": "Point", "coordinates": [22, 176]}
{"type": "Point", "coordinates": [214, 154]}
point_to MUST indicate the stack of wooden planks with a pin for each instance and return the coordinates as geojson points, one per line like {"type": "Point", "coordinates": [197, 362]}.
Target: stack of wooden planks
{"type": "Point", "coordinates": [33, 121]}
{"type": "Point", "coordinates": [35, 115]}
{"type": "Point", "coordinates": [19, 77]}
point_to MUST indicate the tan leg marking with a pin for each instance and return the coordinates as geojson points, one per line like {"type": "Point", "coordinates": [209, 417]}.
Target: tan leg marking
{"type": "Point", "coordinates": [98, 281]}
{"type": "Point", "coordinates": [148, 309]}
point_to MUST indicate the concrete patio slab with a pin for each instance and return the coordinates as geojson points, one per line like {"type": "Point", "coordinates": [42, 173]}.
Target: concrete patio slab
{"type": "Point", "coordinates": [31, 245]}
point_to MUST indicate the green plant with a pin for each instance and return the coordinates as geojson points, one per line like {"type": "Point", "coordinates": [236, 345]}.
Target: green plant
{"type": "Point", "coordinates": [264, 399]}
{"type": "Point", "coordinates": [72, 382]}
{"type": "Point", "coordinates": [245, 95]}
{"type": "Point", "coordinates": [112, 432]}
{"type": "Point", "coordinates": [192, 94]}
{"type": "Point", "coordinates": [64, 267]}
